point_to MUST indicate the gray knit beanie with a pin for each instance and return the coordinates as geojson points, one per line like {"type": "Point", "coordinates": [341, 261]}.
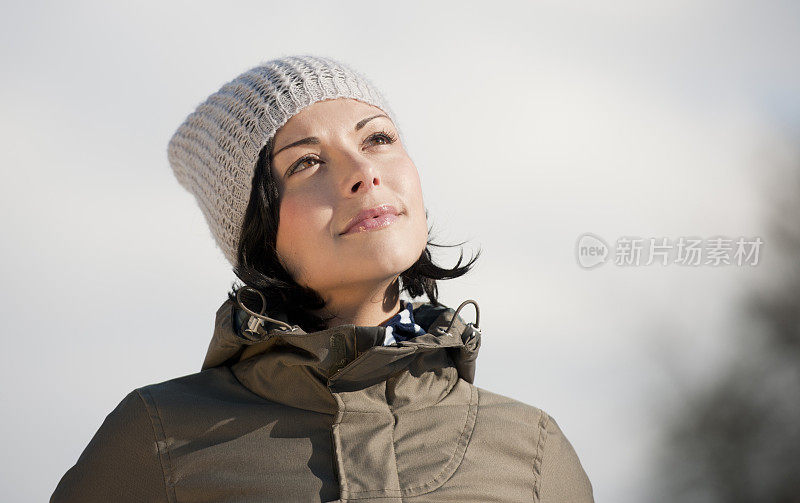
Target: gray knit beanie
{"type": "Point", "coordinates": [214, 152]}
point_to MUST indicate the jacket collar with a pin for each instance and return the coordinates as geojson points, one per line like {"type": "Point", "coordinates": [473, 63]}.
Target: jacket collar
{"type": "Point", "coordinates": [304, 369]}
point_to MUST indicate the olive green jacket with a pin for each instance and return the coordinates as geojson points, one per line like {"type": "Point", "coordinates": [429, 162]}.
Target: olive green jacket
{"type": "Point", "coordinates": [330, 416]}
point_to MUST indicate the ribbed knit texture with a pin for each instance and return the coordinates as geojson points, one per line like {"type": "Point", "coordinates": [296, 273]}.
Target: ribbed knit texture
{"type": "Point", "coordinates": [213, 154]}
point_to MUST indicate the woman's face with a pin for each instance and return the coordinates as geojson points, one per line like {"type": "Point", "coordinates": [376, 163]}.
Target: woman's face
{"type": "Point", "coordinates": [352, 159]}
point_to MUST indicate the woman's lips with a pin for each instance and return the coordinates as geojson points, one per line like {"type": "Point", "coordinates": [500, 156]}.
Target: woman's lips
{"type": "Point", "coordinates": [371, 224]}
{"type": "Point", "coordinates": [363, 220]}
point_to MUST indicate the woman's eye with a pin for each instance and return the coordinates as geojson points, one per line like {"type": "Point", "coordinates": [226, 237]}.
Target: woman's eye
{"type": "Point", "coordinates": [380, 138]}
{"type": "Point", "coordinates": [383, 138]}
{"type": "Point", "coordinates": [302, 164]}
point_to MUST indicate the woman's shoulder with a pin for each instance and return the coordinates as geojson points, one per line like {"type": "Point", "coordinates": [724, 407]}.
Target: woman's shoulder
{"type": "Point", "coordinates": [125, 455]}
{"type": "Point", "coordinates": [495, 404]}
{"type": "Point", "coordinates": [203, 391]}
{"type": "Point", "coordinates": [560, 474]}
{"type": "Point", "coordinates": [121, 458]}
{"type": "Point", "coordinates": [212, 381]}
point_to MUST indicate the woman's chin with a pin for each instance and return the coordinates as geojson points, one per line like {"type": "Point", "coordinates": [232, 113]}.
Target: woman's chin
{"type": "Point", "coordinates": [380, 263]}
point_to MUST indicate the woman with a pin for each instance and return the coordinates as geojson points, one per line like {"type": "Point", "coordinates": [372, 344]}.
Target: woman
{"type": "Point", "coordinates": [320, 382]}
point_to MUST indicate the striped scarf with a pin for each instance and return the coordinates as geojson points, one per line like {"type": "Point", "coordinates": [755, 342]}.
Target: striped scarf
{"type": "Point", "coordinates": [401, 326]}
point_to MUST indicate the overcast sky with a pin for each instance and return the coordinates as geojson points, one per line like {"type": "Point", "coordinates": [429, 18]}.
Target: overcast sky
{"type": "Point", "coordinates": [531, 123]}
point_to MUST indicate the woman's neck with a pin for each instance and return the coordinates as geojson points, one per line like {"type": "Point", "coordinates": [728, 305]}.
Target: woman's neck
{"type": "Point", "coordinates": [363, 307]}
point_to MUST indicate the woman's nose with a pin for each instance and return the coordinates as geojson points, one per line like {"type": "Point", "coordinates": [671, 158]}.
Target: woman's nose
{"type": "Point", "coordinates": [361, 175]}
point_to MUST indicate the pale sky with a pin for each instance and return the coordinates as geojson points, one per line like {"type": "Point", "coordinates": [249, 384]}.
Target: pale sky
{"type": "Point", "coordinates": [531, 123]}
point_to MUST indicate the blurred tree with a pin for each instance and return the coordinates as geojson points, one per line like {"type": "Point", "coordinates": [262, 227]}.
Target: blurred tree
{"type": "Point", "coordinates": [738, 438]}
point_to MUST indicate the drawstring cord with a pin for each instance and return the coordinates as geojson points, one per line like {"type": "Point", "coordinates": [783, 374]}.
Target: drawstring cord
{"type": "Point", "coordinates": [477, 315]}
{"type": "Point", "coordinates": [256, 322]}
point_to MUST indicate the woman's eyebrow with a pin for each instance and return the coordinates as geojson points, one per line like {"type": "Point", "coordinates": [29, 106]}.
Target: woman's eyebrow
{"type": "Point", "coordinates": [364, 121]}
{"type": "Point", "coordinates": [313, 140]}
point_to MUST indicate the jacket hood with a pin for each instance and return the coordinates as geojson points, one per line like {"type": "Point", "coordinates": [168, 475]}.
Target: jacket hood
{"type": "Point", "coordinates": [301, 369]}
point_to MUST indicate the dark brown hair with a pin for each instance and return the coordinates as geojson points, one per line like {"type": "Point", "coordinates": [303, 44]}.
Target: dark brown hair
{"type": "Point", "coordinates": [258, 265]}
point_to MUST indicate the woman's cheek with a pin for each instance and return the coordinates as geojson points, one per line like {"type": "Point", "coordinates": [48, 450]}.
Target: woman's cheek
{"type": "Point", "coordinates": [412, 188]}
{"type": "Point", "coordinates": [290, 216]}
{"type": "Point", "coordinates": [290, 236]}
{"type": "Point", "coordinates": [305, 223]}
